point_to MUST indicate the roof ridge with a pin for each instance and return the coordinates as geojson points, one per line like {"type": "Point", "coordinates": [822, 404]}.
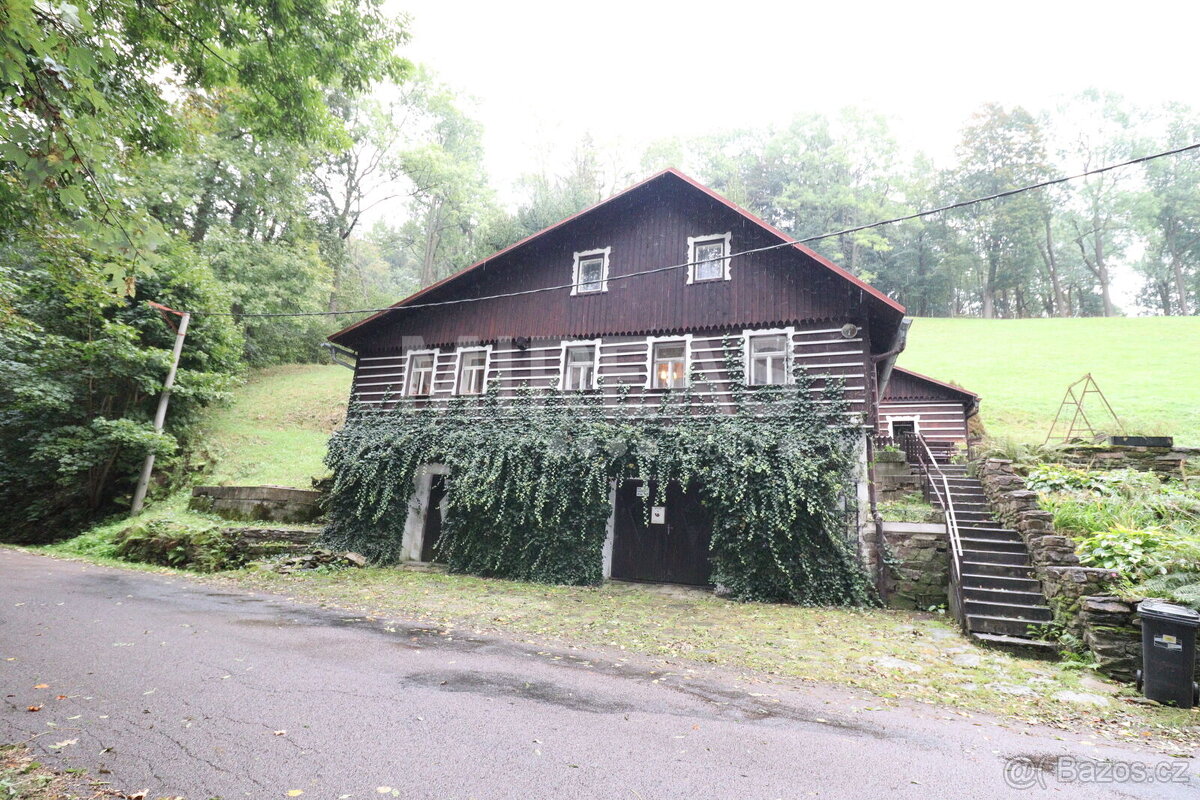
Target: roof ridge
{"type": "Point", "coordinates": [672, 171]}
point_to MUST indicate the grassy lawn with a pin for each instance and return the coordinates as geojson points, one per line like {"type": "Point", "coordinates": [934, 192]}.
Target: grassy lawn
{"type": "Point", "coordinates": [892, 654]}
{"type": "Point", "coordinates": [276, 428]}
{"type": "Point", "coordinates": [1148, 367]}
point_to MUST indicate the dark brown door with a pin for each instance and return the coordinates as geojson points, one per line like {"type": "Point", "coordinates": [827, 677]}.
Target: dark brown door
{"type": "Point", "coordinates": [674, 551]}
{"type": "Point", "coordinates": [433, 517]}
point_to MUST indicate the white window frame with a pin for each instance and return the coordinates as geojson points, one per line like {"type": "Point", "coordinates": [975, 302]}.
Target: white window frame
{"type": "Point", "coordinates": [584, 255]}
{"type": "Point", "coordinates": [487, 366]}
{"type": "Point", "coordinates": [790, 353]}
{"type": "Point", "coordinates": [408, 373]}
{"type": "Point", "coordinates": [686, 341]}
{"type": "Point", "coordinates": [726, 262]}
{"type": "Point", "coordinates": [562, 357]}
{"type": "Point", "coordinates": [916, 421]}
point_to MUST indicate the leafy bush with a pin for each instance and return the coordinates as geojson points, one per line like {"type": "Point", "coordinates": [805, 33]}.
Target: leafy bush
{"type": "Point", "coordinates": [1140, 554]}
{"type": "Point", "coordinates": [1022, 454]}
{"type": "Point", "coordinates": [910, 508]}
{"type": "Point", "coordinates": [1177, 587]}
{"type": "Point", "coordinates": [172, 544]}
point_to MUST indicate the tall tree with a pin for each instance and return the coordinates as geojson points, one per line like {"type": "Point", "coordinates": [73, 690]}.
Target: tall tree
{"type": "Point", "coordinates": [1001, 149]}
{"type": "Point", "coordinates": [1171, 218]}
{"type": "Point", "coordinates": [1104, 131]}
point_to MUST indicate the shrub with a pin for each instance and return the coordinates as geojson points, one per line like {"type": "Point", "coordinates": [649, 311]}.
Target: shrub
{"type": "Point", "coordinates": [1177, 587]}
{"type": "Point", "coordinates": [173, 544]}
{"type": "Point", "coordinates": [1140, 554]}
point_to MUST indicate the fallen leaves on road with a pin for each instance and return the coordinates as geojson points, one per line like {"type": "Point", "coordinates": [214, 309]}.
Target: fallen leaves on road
{"type": "Point", "coordinates": [42, 686]}
{"type": "Point", "coordinates": [63, 743]}
{"type": "Point", "coordinates": [295, 792]}
{"type": "Point", "coordinates": [33, 708]}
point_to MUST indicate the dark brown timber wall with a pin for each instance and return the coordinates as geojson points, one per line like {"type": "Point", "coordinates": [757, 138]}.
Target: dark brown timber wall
{"type": "Point", "coordinates": [647, 228]}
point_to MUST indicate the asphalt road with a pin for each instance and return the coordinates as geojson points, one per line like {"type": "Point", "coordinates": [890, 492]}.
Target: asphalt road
{"type": "Point", "coordinates": [180, 689]}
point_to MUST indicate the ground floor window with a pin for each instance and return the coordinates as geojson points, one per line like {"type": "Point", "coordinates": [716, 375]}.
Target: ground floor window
{"type": "Point", "coordinates": [768, 359]}
{"type": "Point", "coordinates": [669, 365]}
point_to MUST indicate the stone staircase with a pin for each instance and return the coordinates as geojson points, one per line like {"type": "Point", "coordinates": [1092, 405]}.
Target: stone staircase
{"type": "Point", "coordinates": [1002, 597]}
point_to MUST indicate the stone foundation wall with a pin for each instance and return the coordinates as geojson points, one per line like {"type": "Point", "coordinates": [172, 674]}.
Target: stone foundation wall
{"type": "Point", "coordinates": [257, 503]}
{"type": "Point", "coordinates": [1166, 461]}
{"type": "Point", "coordinates": [1113, 632]}
{"type": "Point", "coordinates": [1064, 581]}
{"type": "Point", "coordinates": [894, 478]}
{"type": "Point", "coordinates": [917, 561]}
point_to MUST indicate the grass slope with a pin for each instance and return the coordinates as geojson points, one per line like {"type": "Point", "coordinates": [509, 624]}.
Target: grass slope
{"type": "Point", "coordinates": [1148, 367]}
{"type": "Point", "coordinates": [276, 428]}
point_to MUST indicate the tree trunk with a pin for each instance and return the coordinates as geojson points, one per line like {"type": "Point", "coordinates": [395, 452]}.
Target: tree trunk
{"type": "Point", "coordinates": [1180, 284]}
{"type": "Point", "coordinates": [989, 286]}
{"type": "Point", "coordinates": [204, 209]}
{"type": "Point", "coordinates": [1060, 300]}
{"type": "Point", "coordinates": [1102, 267]}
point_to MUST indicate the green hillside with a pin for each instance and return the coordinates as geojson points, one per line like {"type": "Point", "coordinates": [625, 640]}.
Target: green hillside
{"type": "Point", "coordinates": [1148, 367]}
{"type": "Point", "coordinates": [276, 428]}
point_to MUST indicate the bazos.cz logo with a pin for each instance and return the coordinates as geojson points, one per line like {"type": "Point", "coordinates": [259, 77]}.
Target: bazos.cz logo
{"type": "Point", "coordinates": [1027, 772]}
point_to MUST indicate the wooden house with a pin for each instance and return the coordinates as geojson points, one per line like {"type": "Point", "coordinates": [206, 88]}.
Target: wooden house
{"type": "Point", "coordinates": [915, 403]}
{"type": "Point", "coordinates": [631, 297]}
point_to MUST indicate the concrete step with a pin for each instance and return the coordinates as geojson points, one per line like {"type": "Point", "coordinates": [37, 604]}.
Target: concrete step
{"type": "Point", "coordinates": [993, 545]}
{"type": "Point", "coordinates": [992, 557]}
{"type": "Point", "coordinates": [1007, 626]}
{"type": "Point", "coordinates": [994, 533]}
{"type": "Point", "coordinates": [1020, 645]}
{"type": "Point", "coordinates": [1013, 583]}
{"type": "Point", "coordinates": [987, 608]}
{"type": "Point", "coordinates": [1003, 596]}
{"type": "Point", "coordinates": [997, 569]}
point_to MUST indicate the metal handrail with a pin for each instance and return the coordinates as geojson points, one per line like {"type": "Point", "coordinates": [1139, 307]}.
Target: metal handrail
{"type": "Point", "coordinates": [917, 452]}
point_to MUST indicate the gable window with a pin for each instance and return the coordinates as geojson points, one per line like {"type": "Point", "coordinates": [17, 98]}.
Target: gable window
{"type": "Point", "coordinates": [472, 370]}
{"type": "Point", "coordinates": [708, 258]}
{"type": "Point", "coordinates": [668, 364]}
{"type": "Point", "coordinates": [591, 271]}
{"type": "Point", "coordinates": [579, 367]}
{"type": "Point", "coordinates": [767, 359]}
{"type": "Point", "coordinates": [420, 373]}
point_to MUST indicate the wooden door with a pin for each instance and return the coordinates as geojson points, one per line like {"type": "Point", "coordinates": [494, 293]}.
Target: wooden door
{"type": "Point", "coordinates": [675, 551]}
{"type": "Point", "coordinates": [433, 517]}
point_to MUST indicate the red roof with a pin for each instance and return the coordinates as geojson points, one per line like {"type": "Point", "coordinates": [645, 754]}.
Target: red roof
{"type": "Point", "coordinates": [824, 262]}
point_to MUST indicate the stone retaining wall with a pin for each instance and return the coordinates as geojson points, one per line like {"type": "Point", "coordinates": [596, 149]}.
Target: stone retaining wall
{"type": "Point", "coordinates": [1166, 461]}
{"type": "Point", "coordinates": [1113, 632]}
{"type": "Point", "coordinates": [251, 503]}
{"type": "Point", "coordinates": [917, 559]}
{"type": "Point", "coordinates": [1064, 581]}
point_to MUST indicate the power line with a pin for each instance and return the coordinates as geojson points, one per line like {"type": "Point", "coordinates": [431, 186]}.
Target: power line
{"type": "Point", "coordinates": [788, 243]}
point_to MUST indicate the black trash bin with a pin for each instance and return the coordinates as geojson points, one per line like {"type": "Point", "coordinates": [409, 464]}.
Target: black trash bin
{"type": "Point", "coordinates": [1168, 653]}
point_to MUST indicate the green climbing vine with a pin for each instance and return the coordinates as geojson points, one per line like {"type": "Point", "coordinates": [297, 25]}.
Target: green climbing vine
{"type": "Point", "coordinates": [530, 476]}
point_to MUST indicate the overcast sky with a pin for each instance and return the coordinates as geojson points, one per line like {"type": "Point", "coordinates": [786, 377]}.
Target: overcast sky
{"type": "Point", "coordinates": [631, 72]}
{"type": "Point", "coordinates": [545, 73]}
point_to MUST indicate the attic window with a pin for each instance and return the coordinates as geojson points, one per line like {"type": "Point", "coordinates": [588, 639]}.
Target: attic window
{"type": "Point", "coordinates": [591, 272]}
{"type": "Point", "coordinates": [708, 258]}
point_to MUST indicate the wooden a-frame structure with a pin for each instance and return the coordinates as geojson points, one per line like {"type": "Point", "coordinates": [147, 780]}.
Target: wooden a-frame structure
{"type": "Point", "coordinates": [1075, 399]}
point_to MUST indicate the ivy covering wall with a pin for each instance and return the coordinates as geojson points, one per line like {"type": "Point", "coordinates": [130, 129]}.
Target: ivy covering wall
{"type": "Point", "coordinates": [530, 476]}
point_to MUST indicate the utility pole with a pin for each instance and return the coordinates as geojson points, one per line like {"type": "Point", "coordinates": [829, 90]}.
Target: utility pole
{"type": "Point", "coordinates": [160, 416]}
